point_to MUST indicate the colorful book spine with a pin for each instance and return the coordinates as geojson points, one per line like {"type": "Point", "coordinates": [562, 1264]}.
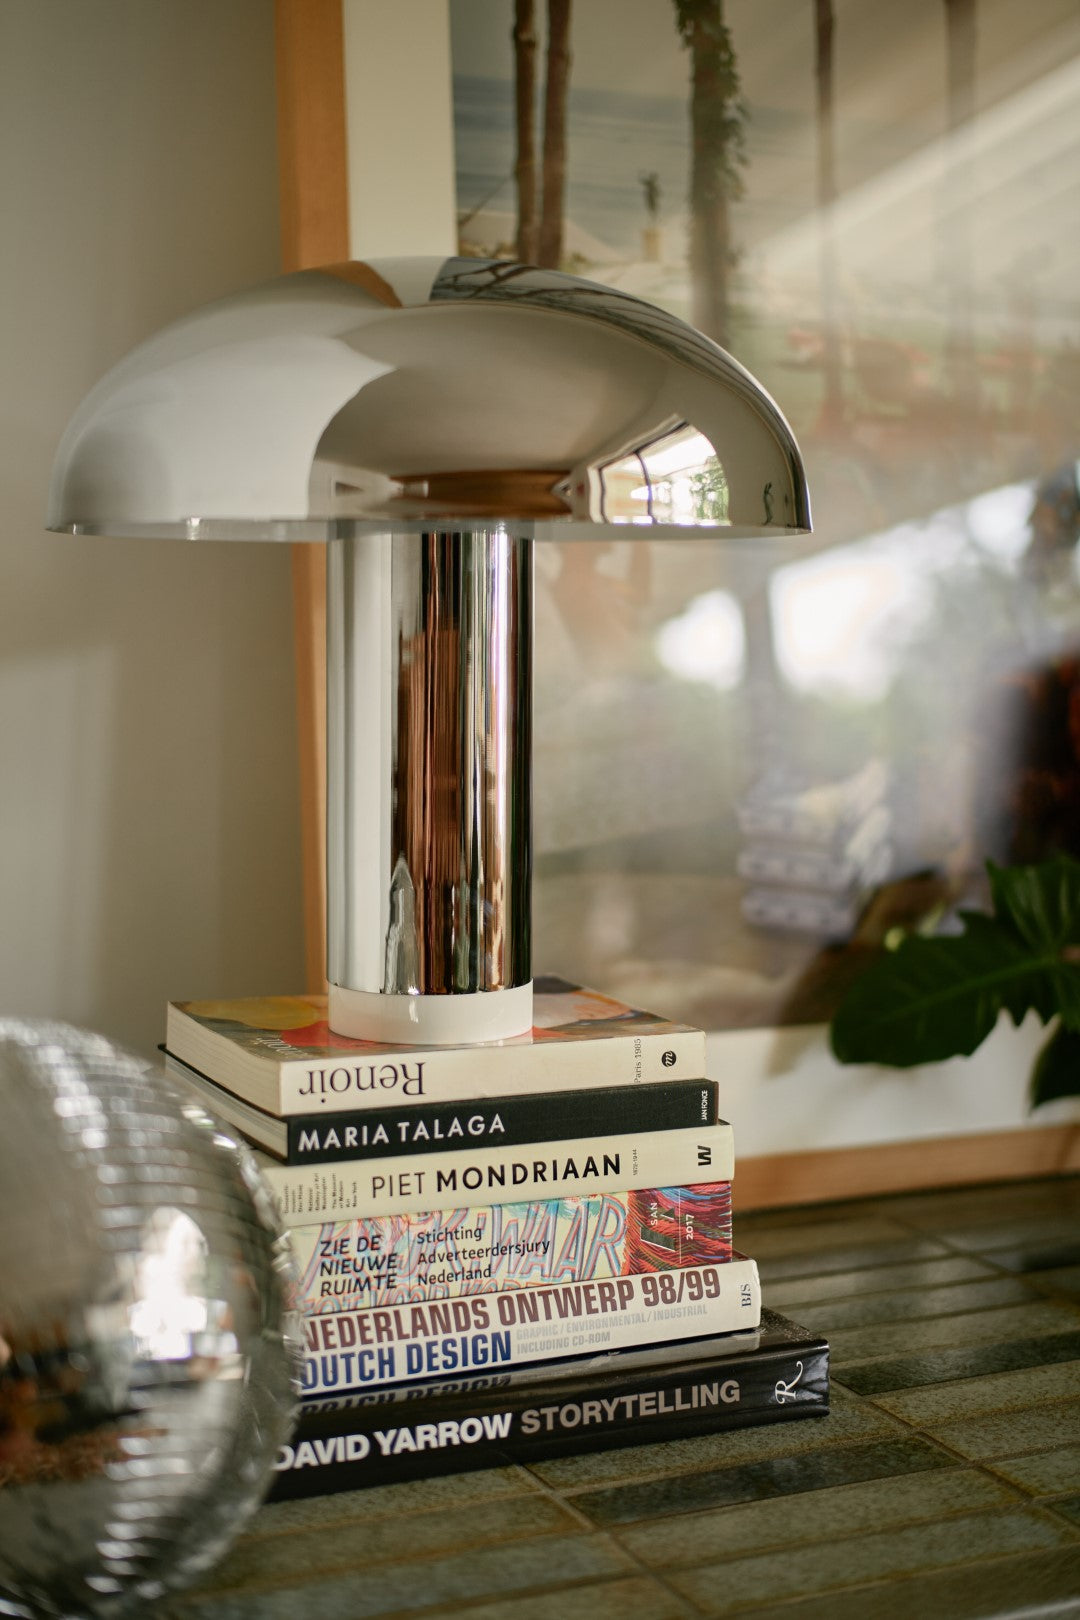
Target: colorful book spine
{"type": "Point", "coordinates": [310, 1194]}
{"type": "Point", "coordinates": [399, 1434]}
{"type": "Point", "coordinates": [395, 1259]}
{"type": "Point", "coordinates": [523, 1326]}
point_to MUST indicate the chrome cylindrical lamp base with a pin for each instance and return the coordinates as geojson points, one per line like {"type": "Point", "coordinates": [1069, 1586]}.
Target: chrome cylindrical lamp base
{"type": "Point", "coordinates": [429, 825]}
{"type": "Point", "coordinates": [363, 401]}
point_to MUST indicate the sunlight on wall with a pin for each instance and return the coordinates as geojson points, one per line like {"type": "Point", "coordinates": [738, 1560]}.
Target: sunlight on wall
{"type": "Point", "coordinates": [842, 620]}
{"type": "Point", "coordinates": [706, 643]}
{"type": "Point", "coordinates": [999, 520]}
{"type": "Point", "coordinates": [1018, 158]}
{"type": "Point", "coordinates": [836, 620]}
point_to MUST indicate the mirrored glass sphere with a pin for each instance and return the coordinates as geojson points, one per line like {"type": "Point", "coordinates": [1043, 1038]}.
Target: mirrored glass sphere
{"type": "Point", "coordinates": [148, 1358]}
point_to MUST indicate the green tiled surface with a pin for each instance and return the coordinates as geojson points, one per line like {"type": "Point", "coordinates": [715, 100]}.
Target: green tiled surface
{"type": "Point", "coordinates": [842, 1510]}
{"type": "Point", "coordinates": [964, 1361]}
{"type": "Point", "coordinates": [1063, 1280]}
{"type": "Point", "coordinates": [693, 1489]}
{"type": "Point", "coordinates": [1001, 1326]}
{"type": "Point", "coordinates": [992, 1395]}
{"type": "Point", "coordinates": [738, 1583]}
{"type": "Point", "coordinates": [388, 1539]}
{"type": "Point", "coordinates": [903, 1305]}
{"type": "Point", "coordinates": [1027, 1587]}
{"type": "Point", "coordinates": [944, 1484]}
{"type": "Point", "coordinates": [838, 1285]}
{"type": "Point", "coordinates": [1000, 1434]}
{"type": "Point", "coordinates": [1044, 1473]}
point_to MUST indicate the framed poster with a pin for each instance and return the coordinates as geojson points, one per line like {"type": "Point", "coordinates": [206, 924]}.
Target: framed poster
{"type": "Point", "coordinates": [753, 759]}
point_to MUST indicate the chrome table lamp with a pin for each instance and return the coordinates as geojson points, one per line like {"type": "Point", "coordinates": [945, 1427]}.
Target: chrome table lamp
{"type": "Point", "coordinates": [431, 419]}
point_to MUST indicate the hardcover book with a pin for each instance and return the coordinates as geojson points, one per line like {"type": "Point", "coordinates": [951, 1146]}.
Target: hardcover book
{"type": "Point", "coordinates": [857, 862]}
{"type": "Point", "coordinates": [395, 1259]}
{"type": "Point", "coordinates": [278, 1053]}
{"type": "Point", "coordinates": [436, 1127]}
{"type": "Point", "coordinates": [776, 1374]}
{"type": "Point", "coordinates": [822, 813]}
{"type": "Point", "coordinates": [393, 1344]}
{"type": "Point", "coordinates": [413, 1184]}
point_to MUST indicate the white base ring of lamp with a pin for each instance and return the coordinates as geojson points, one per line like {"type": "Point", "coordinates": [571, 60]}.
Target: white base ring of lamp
{"type": "Point", "coordinates": [443, 1020]}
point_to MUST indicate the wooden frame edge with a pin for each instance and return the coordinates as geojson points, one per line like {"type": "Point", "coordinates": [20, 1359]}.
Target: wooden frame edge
{"type": "Point", "coordinates": [776, 1180]}
{"type": "Point", "coordinates": [314, 198]}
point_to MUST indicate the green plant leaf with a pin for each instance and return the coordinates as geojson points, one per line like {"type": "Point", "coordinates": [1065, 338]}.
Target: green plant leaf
{"type": "Point", "coordinates": [932, 999]}
{"type": "Point", "coordinates": [939, 997]}
{"type": "Point", "coordinates": [1043, 902]}
{"type": "Point", "coordinates": [1057, 1068]}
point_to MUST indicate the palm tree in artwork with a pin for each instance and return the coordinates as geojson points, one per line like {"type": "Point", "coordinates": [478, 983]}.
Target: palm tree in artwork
{"type": "Point", "coordinates": [525, 121]}
{"type": "Point", "coordinates": [960, 41]}
{"type": "Point", "coordinates": [717, 128]}
{"type": "Point", "coordinates": [556, 85]}
{"type": "Point", "coordinates": [541, 186]}
{"type": "Point", "coordinates": [832, 408]}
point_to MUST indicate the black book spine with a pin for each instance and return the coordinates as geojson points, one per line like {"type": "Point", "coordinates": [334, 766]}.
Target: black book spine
{"type": "Point", "coordinates": [353, 1443]}
{"type": "Point", "coordinates": [546, 1116]}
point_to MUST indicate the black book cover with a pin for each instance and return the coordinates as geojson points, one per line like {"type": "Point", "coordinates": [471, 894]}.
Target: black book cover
{"type": "Point", "coordinates": [509, 1121]}
{"type": "Point", "coordinates": [777, 1373]}
{"type": "Point", "coordinates": [516, 1119]}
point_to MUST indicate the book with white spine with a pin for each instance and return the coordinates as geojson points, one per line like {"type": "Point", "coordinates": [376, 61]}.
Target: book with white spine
{"type": "Point", "coordinates": [411, 1184]}
{"type": "Point", "coordinates": [773, 1374]}
{"type": "Point", "coordinates": [779, 805]}
{"type": "Point", "coordinates": [862, 859]}
{"type": "Point", "coordinates": [279, 1053]}
{"type": "Point", "coordinates": [383, 1345]}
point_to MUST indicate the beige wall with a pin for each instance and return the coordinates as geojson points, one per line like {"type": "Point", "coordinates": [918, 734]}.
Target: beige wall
{"type": "Point", "coordinates": [148, 798]}
{"type": "Point", "coordinates": [400, 121]}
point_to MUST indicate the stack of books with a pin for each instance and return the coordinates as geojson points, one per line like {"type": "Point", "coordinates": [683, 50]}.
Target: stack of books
{"type": "Point", "coordinates": [814, 852]}
{"type": "Point", "coordinates": [505, 1251]}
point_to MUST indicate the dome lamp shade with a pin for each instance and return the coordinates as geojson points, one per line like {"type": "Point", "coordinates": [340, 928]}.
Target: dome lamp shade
{"type": "Point", "coordinates": [432, 419]}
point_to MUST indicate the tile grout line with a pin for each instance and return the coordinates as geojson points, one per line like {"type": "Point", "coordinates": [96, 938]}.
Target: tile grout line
{"type": "Point", "coordinates": [764, 1548]}
{"type": "Point", "coordinates": [889, 1581]}
{"type": "Point", "coordinates": [892, 1426]}
{"type": "Point", "coordinates": [984, 1465]}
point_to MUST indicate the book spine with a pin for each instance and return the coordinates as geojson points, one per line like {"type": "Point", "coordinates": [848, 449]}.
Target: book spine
{"type": "Point", "coordinates": [507, 1121]}
{"type": "Point", "coordinates": [354, 1446]}
{"type": "Point", "coordinates": [525, 1326]}
{"type": "Point", "coordinates": [309, 1194]}
{"type": "Point", "coordinates": [462, 1074]}
{"type": "Point", "coordinates": [442, 1254]}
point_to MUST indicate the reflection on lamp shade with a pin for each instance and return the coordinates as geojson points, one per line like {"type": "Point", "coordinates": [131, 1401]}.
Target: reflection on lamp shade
{"type": "Point", "coordinates": [425, 392]}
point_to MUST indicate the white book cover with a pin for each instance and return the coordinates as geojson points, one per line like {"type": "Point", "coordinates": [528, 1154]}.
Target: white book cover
{"type": "Point", "coordinates": [525, 1326]}
{"type": "Point", "coordinates": [310, 1194]}
{"type": "Point", "coordinates": [865, 860]}
{"type": "Point", "coordinates": [279, 1053]}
